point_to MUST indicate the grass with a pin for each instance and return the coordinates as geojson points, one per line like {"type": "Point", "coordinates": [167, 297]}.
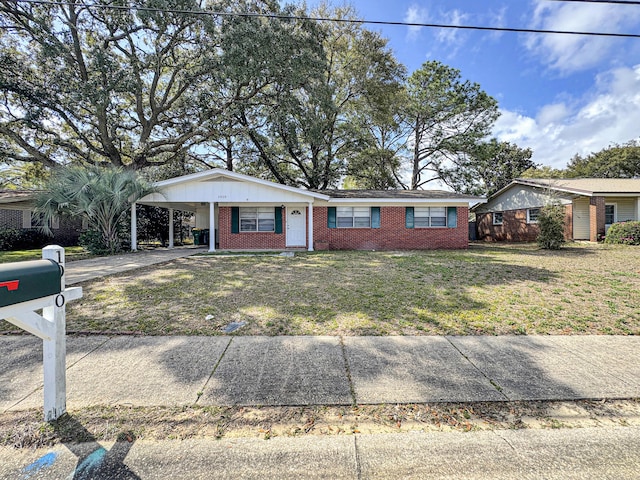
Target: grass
{"type": "Point", "coordinates": [487, 290]}
{"type": "Point", "coordinates": [71, 254]}
{"type": "Point", "coordinates": [25, 429]}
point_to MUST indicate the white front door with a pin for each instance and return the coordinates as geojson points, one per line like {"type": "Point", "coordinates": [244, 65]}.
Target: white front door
{"type": "Point", "coordinates": [296, 227]}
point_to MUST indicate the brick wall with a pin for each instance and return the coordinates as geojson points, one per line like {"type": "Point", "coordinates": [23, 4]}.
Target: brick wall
{"type": "Point", "coordinates": [68, 232]}
{"type": "Point", "coordinates": [596, 218]}
{"type": "Point", "coordinates": [392, 234]}
{"type": "Point", "coordinates": [10, 218]}
{"type": "Point", "coordinates": [568, 222]}
{"type": "Point", "coordinates": [515, 228]}
{"type": "Point", "coordinates": [247, 240]}
{"type": "Point", "coordinates": [65, 234]}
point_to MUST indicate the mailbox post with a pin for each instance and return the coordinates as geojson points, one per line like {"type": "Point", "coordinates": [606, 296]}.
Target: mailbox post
{"type": "Point", "coordinates": [40, 290]}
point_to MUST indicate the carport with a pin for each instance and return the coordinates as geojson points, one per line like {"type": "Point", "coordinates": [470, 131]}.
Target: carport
{"type": "Point", "coordinates": [283, 215]}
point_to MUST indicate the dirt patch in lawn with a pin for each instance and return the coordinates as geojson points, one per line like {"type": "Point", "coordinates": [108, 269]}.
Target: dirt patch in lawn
{"type": "Point", "coordinates": [487, 290]}
{"type": "Point", "coordinates": [26, 430]}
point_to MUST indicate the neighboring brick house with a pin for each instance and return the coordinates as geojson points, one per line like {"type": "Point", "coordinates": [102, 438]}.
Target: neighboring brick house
{"type": "Point", "coordinates": [250, 213]}
{"type": "Point", "coordinates": [591, 206]}
{"type": "Point", "coordinates": [17, 212]}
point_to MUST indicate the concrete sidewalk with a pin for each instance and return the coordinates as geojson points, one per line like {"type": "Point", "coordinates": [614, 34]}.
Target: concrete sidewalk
{"type": "Point", "coordinates": [84, 270]}
{"type": "Point", "coordinates": [237, 370]}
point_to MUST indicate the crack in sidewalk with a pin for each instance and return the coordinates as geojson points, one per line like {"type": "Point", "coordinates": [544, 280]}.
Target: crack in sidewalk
{"type": "Point", "coordinates": [201, 391]}
{"type": "Point", "coordinates": [493, 383]}
{"type": "Point", "coordinates": [352, 389]}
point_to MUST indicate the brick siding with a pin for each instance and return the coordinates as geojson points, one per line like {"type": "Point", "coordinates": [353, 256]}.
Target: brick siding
{"type": "Point", "coordinates": [10, 218]}
{"type": "Point", "coordinates": [514, 226]}
{"type": "Point", "coordinates": [392, 234]}
{"type": "Point", "coordinates": [65, 235]}
{"type": "Point", "coordinates": [596, 218]}
{"type": "Point", "coordinates": [248, 240]}
{"type": "Point", "coordinates": [568, 222]}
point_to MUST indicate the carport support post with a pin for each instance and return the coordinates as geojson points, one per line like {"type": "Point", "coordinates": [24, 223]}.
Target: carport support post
{"type": "Point", "coordinates": [171, 228]}
{"type": "Point", "coordinates": [55, 349]}
{"type": "Point", "coordinates": [310, 214]}
{"type": "Point", "coordinates": [212, 227]}
{"type": "Point", "coordinates": [134, 229]}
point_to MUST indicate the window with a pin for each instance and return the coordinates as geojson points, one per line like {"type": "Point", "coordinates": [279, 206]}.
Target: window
{"type": "Point", "coordinates": [532, 215]}
{"type": "Point", "coordinates": [353, 217]}
{"type": "Point", "coordinates": [424, 217]}
{"type": "Point", "coordinates": [36, 220]}
{"type": "Point", "coordinates": [609, 214]}
{"type": "Point", "coordinates": [497, 218]}
{"type": "Point", "coordinates": [257, 219]}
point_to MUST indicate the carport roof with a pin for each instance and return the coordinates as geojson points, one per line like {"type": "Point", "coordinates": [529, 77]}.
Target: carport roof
{"type": "Point", "coordinates": [212, 174]}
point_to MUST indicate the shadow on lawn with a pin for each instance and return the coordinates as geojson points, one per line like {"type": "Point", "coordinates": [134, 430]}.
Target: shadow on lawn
{"type": "Point", "coordinates": [569, 250]}
{"type": "Point", "coordinates": [338, 292]}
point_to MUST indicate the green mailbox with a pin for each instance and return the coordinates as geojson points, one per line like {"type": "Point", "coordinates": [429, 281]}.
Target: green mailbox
{"type": "Point", "coordinates": [24, 281]}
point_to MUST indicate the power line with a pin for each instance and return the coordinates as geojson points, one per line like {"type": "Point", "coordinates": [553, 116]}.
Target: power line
{"type": "Point", "coordinates": [615, 2]}
{"type": "Point", "coordinates": [336, 20]}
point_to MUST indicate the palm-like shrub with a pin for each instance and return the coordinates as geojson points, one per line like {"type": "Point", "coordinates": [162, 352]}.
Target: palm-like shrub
{"type": "Point", "coordinates": [102, 196]}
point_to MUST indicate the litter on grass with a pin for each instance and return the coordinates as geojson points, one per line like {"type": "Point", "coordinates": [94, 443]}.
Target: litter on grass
{"type": "Point", "coordinates": [233, 326]}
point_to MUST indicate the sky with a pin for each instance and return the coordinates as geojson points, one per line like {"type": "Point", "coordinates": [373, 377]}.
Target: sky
{"type": "Point", "coordinates": [559, 95]}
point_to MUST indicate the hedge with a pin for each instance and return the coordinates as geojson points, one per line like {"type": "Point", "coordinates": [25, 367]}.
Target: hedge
{"type": "Point", "coordinates": [626, 233]}
{"type": "Point", "coordinates": [22, 239]}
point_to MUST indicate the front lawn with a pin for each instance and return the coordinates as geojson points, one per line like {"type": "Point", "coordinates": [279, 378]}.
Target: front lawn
{"type": "Point", "coordinates": [582, 289]}
{"type": "Point", "coordinates": [70, 254]}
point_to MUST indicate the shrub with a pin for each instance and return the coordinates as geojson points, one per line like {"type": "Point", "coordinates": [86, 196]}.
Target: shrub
{"type": "Point", "coordinates": [22, 239]}
{"type": "Point", "coordinates": [626, 233]}
{"type": "Point", "coordinates": [551, 223]}
{"type": "Point", "coordinates": [8, 238]}
{"type": "Point", "coordinates": [94, 242]}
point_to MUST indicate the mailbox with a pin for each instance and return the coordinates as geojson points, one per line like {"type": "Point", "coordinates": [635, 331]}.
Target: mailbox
{"type": "Point", "coordinates": [24, 281]}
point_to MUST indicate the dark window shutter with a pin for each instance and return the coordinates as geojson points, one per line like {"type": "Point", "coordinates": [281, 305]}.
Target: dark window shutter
{"type": "Point", "coordinates": [408, 217]}
{"type": "Point", "coordinates": [278, 212]}
{"type": "Point", "coordinates": [331, 217]}
{"type": "Point", "coordinates": [452, 217]}
{"type": "Point", "coordinates": [235, 220]}
{"type": "Point", "coordinates": [375, 217]}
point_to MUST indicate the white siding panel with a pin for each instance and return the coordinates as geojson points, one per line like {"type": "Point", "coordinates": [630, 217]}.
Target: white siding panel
{"type": "Point", "coordinates": [626, 207]}
{"type": "Point", "coordinates": [225, 192]}
{"type": "Point", "coordinates": [581, 219]}
{"type": "Point", "coordinates": [519, 197]}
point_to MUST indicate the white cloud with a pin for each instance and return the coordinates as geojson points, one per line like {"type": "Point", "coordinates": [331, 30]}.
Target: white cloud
{"type": "Point", "coordinates": [451, 36]}
{"type": "Point", "coordinates": [497, 19]}
{"type": "Point", "coordinates": [553, 113]}
{"type": "Point", "coordinates": [610, 113]}
{"type": "Point", "coordinates": [415, 14]}
{"type": "Point", "coordinates": [572, 53]}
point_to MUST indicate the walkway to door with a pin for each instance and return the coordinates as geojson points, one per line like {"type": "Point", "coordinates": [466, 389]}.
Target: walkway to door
{"type": "Point", "coordinates": [84, 270]}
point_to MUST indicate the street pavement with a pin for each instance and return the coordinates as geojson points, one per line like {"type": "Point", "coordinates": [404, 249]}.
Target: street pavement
{"type": "Point", "coordinates": [567, 454]}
